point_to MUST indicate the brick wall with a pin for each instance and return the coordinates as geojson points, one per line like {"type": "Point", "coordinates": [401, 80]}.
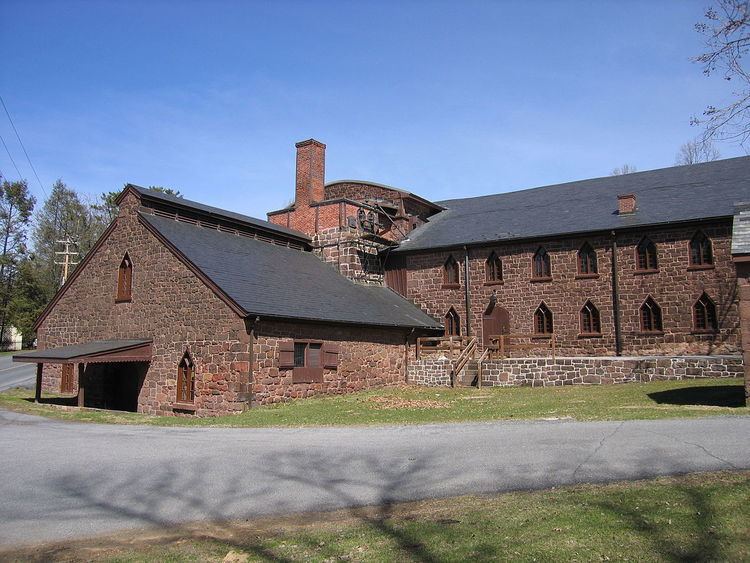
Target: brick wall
{"type": "Point", "coordinates": [674, 286]}
{"type": "Point", "coordinates": [546, 372]}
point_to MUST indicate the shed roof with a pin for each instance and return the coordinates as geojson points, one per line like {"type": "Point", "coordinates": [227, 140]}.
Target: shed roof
{"type": "Point", "coordinates": [98, 350]}
{"type": "Point", "coordinates": [269, 280]}
{"type": "Point", "coordinates": [667, 195]}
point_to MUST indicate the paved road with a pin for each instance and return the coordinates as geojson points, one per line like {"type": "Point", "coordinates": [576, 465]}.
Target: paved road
{"type": "Point", "coordinates": [64, 480]}
{"type": "Point", "coordinates": [16, 375]}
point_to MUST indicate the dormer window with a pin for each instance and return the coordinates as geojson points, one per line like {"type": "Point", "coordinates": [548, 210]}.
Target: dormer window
{"type": "Point", "coordinates": [125, 280]}
{"type": "Point", "coordinates": [450, 273]}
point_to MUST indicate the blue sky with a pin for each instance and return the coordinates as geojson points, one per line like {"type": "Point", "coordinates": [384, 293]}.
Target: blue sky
{"type": "Point", "coordinates": [446, 99]}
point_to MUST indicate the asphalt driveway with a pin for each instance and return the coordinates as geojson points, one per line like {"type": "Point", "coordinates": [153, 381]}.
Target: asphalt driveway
{"type": "Point", "coordinates": [15, 374]}
{"type": "Point", "coordinates": [66, 480]}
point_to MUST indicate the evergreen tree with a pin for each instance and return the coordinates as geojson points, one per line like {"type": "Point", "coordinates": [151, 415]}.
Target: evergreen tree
{"type": "Point", "coordinates": [16, 206]}
{"type": "Point", "coordinates": [28, 300]}
{"type": "Point", "coordinates": [62, 217]}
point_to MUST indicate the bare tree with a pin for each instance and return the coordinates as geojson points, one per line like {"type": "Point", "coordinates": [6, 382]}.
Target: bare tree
{"type": "Point", "coordinates": [726, 29]}
{"type": "Point", "coordinates": [624, 169]}
{"type": "Point", "coordinates": [694, 152]}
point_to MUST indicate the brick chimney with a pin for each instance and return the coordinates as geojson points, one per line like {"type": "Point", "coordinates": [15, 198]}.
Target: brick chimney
{"type": "Point", "coordinates": [311, 164]}
{"type": "Point", "coordinates": [626, 204]}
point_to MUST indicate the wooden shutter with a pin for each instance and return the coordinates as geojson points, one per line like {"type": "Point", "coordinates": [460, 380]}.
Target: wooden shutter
{"type": "Point", "coordinates": [331, 355]}
{"type": "Point", "coordinates": [286, 354]}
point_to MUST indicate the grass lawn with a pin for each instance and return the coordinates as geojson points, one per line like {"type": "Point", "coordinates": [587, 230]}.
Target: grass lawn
{"type": "Point", "coordinates": [409, 405]}
{"type": "Point", "coordinates": [699, 517]}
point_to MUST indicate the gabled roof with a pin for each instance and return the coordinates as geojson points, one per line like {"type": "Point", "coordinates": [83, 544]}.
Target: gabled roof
{"type": "Point", "coordinates": [668, 195]}
{"type": "Point", "coordinates": [216, 213]}
{"type": "Point", "coordinates": [273, 281]}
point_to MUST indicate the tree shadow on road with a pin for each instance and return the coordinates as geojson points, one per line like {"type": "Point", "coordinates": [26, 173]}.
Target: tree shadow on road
{"type": "Point", "coordinates": [164, 496]}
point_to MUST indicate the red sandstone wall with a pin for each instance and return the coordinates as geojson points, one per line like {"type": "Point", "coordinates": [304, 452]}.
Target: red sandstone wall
{"type": "Point", "coordinates": [674, 287]}
{"type": "Point", "coordinates": [170, 305]}
{"type": "Point", "coordinates": [176, 309]}
{"type": "Point", "coordinates": [368, 357]}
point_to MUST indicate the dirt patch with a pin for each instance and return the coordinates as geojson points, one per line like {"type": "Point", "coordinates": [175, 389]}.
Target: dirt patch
{"type": "Point", "coordinates": [385, 403]}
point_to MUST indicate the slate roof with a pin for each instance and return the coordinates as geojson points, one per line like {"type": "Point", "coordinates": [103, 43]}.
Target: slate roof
{"type": "Point", "coordinates": [269, 280]}
{"type": "Point", "coordinates": [219, 213]}
{"type": "Point", "coordinates": [97, 347]}
{"type": "Point", "coordinates": [741, 229]}
{"type": "Point", "coordinates": [668, 195]}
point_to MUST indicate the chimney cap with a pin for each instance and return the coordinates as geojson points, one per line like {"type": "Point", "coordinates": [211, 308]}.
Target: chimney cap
{"type": "Point", "coordinates": [309, 142]}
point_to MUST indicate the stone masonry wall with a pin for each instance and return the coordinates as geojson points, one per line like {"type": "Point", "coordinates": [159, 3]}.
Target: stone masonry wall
{"type": "Point", "coordinates": [675, 287]}
{"type": "Point", "coordinates": [368, 357]}
{"type": "Point", "coordinates": [546, 372]}
{"type": "Point", "coordinates": [430, 372]}
{"type": "Point", "coordinates": [170, 305]}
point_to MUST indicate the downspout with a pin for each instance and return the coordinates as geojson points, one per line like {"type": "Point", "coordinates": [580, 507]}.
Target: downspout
{"type": "Point", "coordinates": [616, 297]}
{"type": "Point", "coordinates": [466, 291]}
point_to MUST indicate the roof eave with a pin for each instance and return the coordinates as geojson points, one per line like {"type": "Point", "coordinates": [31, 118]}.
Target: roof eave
{"type": "Point", "coordinates": [288, 318]}
{"type": "Point", "coordinates": [571, 234]}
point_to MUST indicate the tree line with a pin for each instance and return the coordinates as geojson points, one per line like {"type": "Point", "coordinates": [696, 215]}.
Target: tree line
{"type": "Point", "coordinates": [30, 272]}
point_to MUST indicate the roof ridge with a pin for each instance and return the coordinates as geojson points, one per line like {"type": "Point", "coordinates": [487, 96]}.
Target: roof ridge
{"type": "Point", "coordinates": [209, 210]}
{"type": "Point", "coordinates": [597, 179]}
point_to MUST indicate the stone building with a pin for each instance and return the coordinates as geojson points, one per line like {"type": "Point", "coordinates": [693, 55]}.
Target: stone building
{"type": "Point", "coordinates": [631, 276]}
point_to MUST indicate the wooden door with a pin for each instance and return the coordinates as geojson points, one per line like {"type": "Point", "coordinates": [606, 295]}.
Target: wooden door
{"type": "Point", "coordinates": [66, 383]}
{"type": "Point", "coordinates": [495, 321]}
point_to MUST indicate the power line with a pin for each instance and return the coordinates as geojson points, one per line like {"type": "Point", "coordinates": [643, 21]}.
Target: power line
{"type": "Point", "coordinates": [22, 146]}
{"type": "Point", "coordinates": [10, 156]}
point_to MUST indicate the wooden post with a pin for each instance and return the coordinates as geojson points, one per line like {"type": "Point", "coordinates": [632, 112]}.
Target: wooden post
{"type": "Point", "coordinates": [38, 391]}
{"type": "Point", "coordinates": [419, 340]}
{"type": "Point", "coordinates": [479, 373]}
{"type": "Point", "coordinates": [80, 384]}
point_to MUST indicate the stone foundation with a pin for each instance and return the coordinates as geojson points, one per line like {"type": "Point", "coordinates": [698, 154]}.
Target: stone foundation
{"type": "Point", "coordinates": [430, 372]}
{"type": "Point", "coordinates": [546, 372]}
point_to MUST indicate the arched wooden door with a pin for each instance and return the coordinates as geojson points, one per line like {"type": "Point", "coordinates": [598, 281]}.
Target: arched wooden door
{"type": "Point", "coordinates": [495, 321]}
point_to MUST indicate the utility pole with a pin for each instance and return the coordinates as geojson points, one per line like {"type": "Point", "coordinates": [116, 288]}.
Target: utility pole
{"type": "Point", "coordinates": [66, 263]}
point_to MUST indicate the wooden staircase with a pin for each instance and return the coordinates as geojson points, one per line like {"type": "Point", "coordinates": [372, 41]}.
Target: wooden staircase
{"type": "Point", "coordinates": [469, 376]}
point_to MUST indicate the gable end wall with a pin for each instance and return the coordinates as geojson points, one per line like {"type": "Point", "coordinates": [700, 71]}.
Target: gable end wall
{"type": "Point", "coordinates": [170, 305]}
